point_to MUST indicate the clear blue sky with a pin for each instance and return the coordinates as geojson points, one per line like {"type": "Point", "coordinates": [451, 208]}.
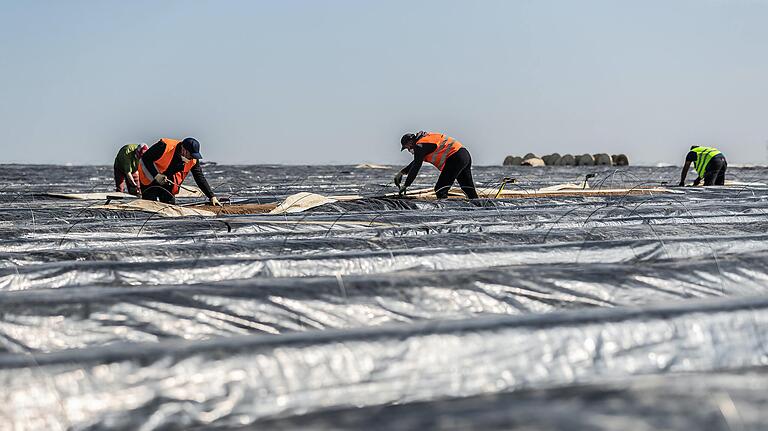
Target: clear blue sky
{"type": "Point", "coordinates": [339, 81]}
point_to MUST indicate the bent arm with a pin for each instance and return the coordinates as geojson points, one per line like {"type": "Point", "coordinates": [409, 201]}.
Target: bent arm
{"type": "Point", "coordinates": [197, 174]}
{"type": "Point", "coordinates": [406, 169]}
{"type": "Point", "coordinates": [683, 174]}
{"type": "Point", "coordinates": [129, 180]}
{"type": "Point", "coordinates": [413, 171]}
{"type": "Point", "coordinates": [415, 166]}
{"type": "Point", "coordinates": [419, 152]}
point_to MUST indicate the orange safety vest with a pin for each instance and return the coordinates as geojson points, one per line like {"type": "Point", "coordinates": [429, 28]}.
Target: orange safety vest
{"type": "Point", "coordinates": [446, 147]}
{"type": "Point", "coordinates": [161, 165]}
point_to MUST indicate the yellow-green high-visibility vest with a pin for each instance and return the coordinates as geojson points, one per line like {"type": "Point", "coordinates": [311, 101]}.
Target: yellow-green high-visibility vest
{"type": "Point", "coordinates": [703, 156]}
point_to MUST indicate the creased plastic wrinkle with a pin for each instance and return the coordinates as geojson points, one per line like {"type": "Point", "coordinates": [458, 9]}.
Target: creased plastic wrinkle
{"type": "Point", "coordinates": [628, 311]}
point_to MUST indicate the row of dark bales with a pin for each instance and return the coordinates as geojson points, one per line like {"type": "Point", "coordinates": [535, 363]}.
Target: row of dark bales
{"type": "Point", "coordinates": [599, 159]}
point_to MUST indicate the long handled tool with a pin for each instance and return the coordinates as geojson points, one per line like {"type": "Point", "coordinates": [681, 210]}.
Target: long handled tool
{"type": "Point", "coordinates": [504, 182]}
{"type": "Point", "coordinates": [584, 185]}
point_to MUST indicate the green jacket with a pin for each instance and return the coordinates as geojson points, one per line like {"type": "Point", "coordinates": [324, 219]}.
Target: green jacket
{"type": "Point", "coordinates": [126, 161]}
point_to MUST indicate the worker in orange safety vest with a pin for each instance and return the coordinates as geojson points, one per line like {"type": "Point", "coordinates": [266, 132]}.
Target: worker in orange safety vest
{"type": "Point", "coordinates": [446, 154]}
{"type": "Point", "coordinates": [165, 165]}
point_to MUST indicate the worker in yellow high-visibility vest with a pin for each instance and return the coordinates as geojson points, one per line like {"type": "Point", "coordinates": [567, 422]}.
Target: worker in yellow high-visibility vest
{"type": "Point", "coordinates": [709, 163]}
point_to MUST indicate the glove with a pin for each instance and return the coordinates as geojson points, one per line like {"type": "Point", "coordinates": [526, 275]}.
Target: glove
{"type": "Point", "coordinates": [398, 178]}
{"type": "Point", "coordinates": [161, 179]}
{"type": "Point", "coordinates": [215, 201]}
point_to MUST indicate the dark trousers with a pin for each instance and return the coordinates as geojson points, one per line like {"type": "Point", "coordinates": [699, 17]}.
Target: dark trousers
{"type": "Point", "coordinates": [120, 183]}
{"type": "Point", "coordinates": [155, 192]}
{"type": "Point", "coordinates": [458, 167]}
{"type": "Point", "coordinates": [715, 172]}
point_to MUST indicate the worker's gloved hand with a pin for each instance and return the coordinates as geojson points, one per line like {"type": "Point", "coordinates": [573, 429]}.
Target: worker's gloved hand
{"type": "Point", "coordinates": [215, 201]}
{"type": "Point", "coordinates": [398, 178]}
{"type": "Point", "coordinates": [161, 179]}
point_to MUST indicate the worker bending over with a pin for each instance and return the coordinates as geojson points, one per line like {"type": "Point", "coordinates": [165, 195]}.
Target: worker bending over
{"type": "Point", "coordinates": [709, 163]}
{"type": "Point", "coordinates": [126, 167]}
{"type": "Point", "coordinates": [446, 154]}
{"type": "Point", "coordinates": [165, 165]}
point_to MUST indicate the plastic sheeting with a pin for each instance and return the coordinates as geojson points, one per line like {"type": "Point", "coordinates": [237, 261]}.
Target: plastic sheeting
{"type": "Point", "coordinates": [550, 312]}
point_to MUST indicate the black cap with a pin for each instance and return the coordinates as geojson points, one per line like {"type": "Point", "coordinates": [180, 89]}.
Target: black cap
{"type": "Point", "coordinates": [191, 145]}
{"type": "Point", "coordinates": [407, 138]}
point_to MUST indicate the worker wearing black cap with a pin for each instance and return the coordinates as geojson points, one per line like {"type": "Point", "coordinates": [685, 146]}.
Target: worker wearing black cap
{"type": "Point", "coordinates": [165, 165]}
{"type": "Point", "coordinates": [446, 154]}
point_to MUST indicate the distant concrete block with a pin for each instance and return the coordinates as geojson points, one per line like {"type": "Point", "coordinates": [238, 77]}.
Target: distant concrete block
{"type": "Point", "coordinates": [602, 159]}
{"type": "Point", "coordinates": [567, 160]}
{"type": "Point", "coordinates": [512, 161]}
{"type": "Point", "coordinates": [551, 159]}
{"type": "Point", "coordinates": [620, 160]}
{"type": "Point", "coordinates": [585, 160]}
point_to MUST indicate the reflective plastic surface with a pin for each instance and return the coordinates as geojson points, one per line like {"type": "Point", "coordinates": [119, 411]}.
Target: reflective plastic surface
{"type": "Point", "coordinates": [623, 312]}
